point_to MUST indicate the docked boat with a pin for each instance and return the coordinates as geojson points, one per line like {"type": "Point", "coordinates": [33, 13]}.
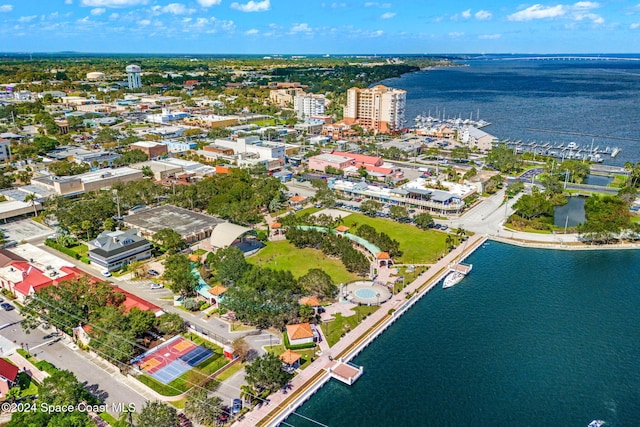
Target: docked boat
{"type": "Point", "coordinates": [615, 152]}
{"type": "Point", "coordinates": [452, 279]}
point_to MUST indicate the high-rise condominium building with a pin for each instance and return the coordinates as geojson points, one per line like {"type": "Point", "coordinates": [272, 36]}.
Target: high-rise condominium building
{"type": "Point", "coordinates": [379, 108]}
{"type": "Point", "coordinates": [308, 104]}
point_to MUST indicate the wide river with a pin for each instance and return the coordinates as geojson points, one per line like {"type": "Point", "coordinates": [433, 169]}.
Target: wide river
{"type": "Point", "coordinates": [530, 337]}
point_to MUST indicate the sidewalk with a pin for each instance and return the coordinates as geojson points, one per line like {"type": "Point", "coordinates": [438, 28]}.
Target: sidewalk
{"type": "Point", "coordinates": [28, 367]}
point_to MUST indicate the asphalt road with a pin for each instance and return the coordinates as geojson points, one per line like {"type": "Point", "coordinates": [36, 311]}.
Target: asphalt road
{"type": "Point", "coordinates": [63, 355]}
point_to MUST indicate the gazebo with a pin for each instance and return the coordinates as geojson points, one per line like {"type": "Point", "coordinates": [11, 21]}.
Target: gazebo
{"type": "Point", "coordinates": [383, 259]}
{"type": "Point", "coordinates": [291, 359]}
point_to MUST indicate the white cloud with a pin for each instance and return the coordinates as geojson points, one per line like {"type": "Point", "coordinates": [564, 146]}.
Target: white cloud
{"type": "Point", "coordinates": [577, 12]}
{"type": "Point", "coordinates": [490, 36]}
{"type": "Point", "coordinates": [634, 26]}
{"type": "Point", "coordinates": [455, 34]}
{"type": "Point", "coordinates": [144, 22]}
{"type": "Point", "coordinates": [252, 6]}
{"type": "Point", "coordinates": [251, 32]}
{"type": "Point", "coordinates": [113, 3]}
{"type": "Point", "coordinates": [376, 4]}
{"type": "Point", "coordinates": [27, 18]}
{"type": "Point", "coordinates": [300, 28]}
{"type": "Point", "coordinates": [114, 16]}
{"type": "Point", "coordinates": [388, 15]}
{"type": "Point", "coordinates": [537, 11]}
{"type": "Point", "coordinates": [466, 14]}
{"type": "Point", "coordinates": [186, 20]}
{"type": "Point", "coordinates": [6, 8]}
{"type": "Point", "coordinates": [98, 11]}
{"type": "Point", "coordinates": [338, 5]}
{"type": "Point", "coordinates": [209, 3]}
{"type": "Point", "coordinates": [177, 9]}
{"type": "Point", "coordinates": [483, 15]}
{"type": "Point", "coordinates": [68, 1]}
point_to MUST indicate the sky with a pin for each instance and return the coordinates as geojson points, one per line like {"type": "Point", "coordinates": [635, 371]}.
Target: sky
{"type": "Point", "coordinates": [319, 27]}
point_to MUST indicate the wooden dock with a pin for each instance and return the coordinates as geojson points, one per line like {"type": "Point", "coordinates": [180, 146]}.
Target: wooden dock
{"type": "Point", "coordinates": [461, 268]}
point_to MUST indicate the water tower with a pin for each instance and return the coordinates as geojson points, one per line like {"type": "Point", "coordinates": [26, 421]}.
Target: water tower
{"type": "Point", "coordinates": [133, 76]}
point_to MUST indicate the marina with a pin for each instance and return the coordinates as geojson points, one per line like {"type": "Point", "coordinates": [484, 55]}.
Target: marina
{"type": "Point", "coordinates": [570, 151]}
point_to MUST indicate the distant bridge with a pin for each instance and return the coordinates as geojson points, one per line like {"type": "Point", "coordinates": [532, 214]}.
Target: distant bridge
{"type": "Point", "coordinates": [569, 58]}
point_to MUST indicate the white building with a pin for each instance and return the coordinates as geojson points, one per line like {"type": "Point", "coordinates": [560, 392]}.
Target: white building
{"type": "Point", "coordinates": [309, 104]}
{"type": "Point", "coordinates": [252, 144]}
{"type": "Point", "coordinates": [477, 138]}
{"type": "Point", "coordinates": [166, 116]}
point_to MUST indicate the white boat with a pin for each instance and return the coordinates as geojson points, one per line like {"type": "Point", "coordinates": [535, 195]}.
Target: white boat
{"type": "Point", "coordinates": [615, 152]}
{"type": "Point", "coordinates": [596, 423]}
{"type": "Point", "coordinates": [452, 279]}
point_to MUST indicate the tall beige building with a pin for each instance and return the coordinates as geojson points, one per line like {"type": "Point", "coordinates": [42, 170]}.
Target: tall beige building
{"type": "Point", "coordinates": [379, 108]}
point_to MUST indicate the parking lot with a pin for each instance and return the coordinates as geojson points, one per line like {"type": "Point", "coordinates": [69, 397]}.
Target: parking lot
{"type": "Point", "coordinates": [25, 229]}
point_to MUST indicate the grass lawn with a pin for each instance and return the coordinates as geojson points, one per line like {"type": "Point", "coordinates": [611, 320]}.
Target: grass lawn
{"type": "Point", "coordinates": [27, 387]}
{"type": "Point", "coordinates": [418, 246]}
{"type": "Point", "coordinates": [409, 276]}
{"type": "Point", "coordinates": [309, 211]}
{"type": "Point", "coordinates": [307, 354]}
{"type": "Point", "coordinates": [334, 330]}
{"type": "Point", "coordinates": [81, 249]}
{"type": "Point", "coordinates": [283, 255]}
{"type": "Point", "coordinates": [230, 371]}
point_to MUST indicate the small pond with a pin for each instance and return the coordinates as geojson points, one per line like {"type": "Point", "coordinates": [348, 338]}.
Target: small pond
{"type": "Point", "coordinates": [570, 214]}
{"type": "Point", "coordinates": [598, 180]}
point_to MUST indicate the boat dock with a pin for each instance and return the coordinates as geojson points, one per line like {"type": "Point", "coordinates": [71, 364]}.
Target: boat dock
{"type": "Point", "coordinates": [345, 372]}
{"type": "Point", "coordinates": [461, 268]}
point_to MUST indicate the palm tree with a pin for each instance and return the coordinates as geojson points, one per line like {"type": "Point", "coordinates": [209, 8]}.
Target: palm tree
{"type": "Point", "coordinates": [31, 199]}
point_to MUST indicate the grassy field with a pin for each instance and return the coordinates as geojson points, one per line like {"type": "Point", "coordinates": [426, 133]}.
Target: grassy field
{"type": "Point", "coordinates": [307, 355]}
{"type": "Point", "coordinates": [418, 246]}
{"type": "Point", "coordinates": [334, 330]}
{"type": "Point", "coordinates": [284, 256]}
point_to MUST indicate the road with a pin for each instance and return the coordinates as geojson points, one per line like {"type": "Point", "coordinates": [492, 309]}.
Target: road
{"type": "Point", "coordinates": [108, 385]}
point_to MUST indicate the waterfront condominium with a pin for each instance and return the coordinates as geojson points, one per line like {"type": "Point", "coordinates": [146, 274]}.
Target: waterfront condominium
{"type": "Point", "coordinates": [380, 108]}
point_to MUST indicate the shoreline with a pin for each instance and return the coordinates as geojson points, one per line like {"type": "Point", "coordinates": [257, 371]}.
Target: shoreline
{"type": "Point", "coordinates": [357, 340]}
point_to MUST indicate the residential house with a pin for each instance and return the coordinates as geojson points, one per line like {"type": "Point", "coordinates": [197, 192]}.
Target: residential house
{"type": "Point", "coordinates": [8, 377]}
{"type": "Point", "coordinates": [113, 249]}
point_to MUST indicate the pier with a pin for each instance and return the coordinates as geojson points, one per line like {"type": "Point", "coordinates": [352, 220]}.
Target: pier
{"type": "Point", "coordinates": [347, 373]}
{"type": "Point", "coordinates": [310, 380]}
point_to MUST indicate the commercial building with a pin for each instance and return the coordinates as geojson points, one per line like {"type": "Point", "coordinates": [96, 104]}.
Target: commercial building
{"type": "Point", "coordinates": [166, 116]}
{"type": "Point", "coordinates": [380, 108]}
{"type": "Point", "coordinates": [477, 138]}
{"type": "Point", "coordinates": [252, 144]}
{"type": "Point", "coordinates": [191, 226]}
{"type": "Point", "coordinates": [112, 250]}
{"type": "Point", "coordinates": [153, 150]}
{"type": "Point", "coordinates": [87, 182]}
{"type": "Point", "coordinates": [5, 149]}
{"type": "Point", "coordinates": [308, 104]}
{"type": "Point", "coordinates": [283, 98]}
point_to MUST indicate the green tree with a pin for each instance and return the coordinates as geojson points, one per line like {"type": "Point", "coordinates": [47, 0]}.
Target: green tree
{"type": "Point", "coordinates": [201, 408]}
{"type": "Point", "coordinates": [265, 373]}
{"type": "Point", "coordinates": [157, 414]}
{"type": "Point", "coordinates": [170, 241]}
{"type": "Point", "coordinates": [504, 159]}
{"type": "Point", "coordinates": [131, 156]}
{"type": "Point", "coordinates": [170, 323]}
{"type": "Point", "coordinates": [318, 283]}
{"type": "Point", "coordinates": [423, 220]}
{"type": "Point", "coordinates": [179, 275]}
{"type": "Point", "coordinates": [534, 205]}
{"type": "Point", "coordinates": [398, 212]}
{"type": "Point", "coordinates": [229, 265]}
{"type": "Point", "coordinates": [370, 207]}
{"type": "Point", "coordinates": [31, 199]}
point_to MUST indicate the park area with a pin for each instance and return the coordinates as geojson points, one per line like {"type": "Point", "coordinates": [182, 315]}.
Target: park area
{"type": "Point", "coordinates": [283, 255]}
{"type": "Point", "coordinates": [417, 246]}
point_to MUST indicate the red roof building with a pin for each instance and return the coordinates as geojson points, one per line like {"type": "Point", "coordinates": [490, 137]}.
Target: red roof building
{"type": "Point", "coordinates": [8, 376]}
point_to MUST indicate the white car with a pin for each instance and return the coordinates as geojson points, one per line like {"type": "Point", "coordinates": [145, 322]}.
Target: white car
{"type": "Point", "coordinates": [156, 286]}
{"type": "Point", "coordinates": [106, 273]}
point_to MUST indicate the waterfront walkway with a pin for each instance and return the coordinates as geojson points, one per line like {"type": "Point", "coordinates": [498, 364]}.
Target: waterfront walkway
{"type": "Point", "coordinates": [308, 381]}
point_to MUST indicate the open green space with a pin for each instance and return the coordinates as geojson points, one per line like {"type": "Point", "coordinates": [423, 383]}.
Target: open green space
{"type": "Point", "coordinates": [308, 211]}
{"type": "Point", "coordinates": [307, 355]}
{"type": "Point", "coordinates": [338, 327]}
{"type": "Point", "coordinates": [417, 246]}
{"type": "Point", "coordinates": [283, 255]}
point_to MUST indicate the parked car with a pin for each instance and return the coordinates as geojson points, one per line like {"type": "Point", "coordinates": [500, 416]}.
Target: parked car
{"type": "Point", "coordinates": [184, 421]}
{"type": "Point", "coordinates": [156, 286]}
{"type": "Point", "coordinates": [6, 306]}
{"type": "Point", "coordinates": [237, 406]}
{"type": "Point", "coordinates": [153, 273]}
{"type": "Point", "coordinates": [444, 227]}
{"type": "Point", "coordinates": [106, 273]}
{"type": "Point", "coordinates": [437, 226]}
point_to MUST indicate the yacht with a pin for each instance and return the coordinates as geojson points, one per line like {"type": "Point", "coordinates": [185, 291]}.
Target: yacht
{"type": "Point", "coordinates": [596, 423]}
{"type": "Point", "coordinates": [615, 152]}
{"type": "Point", "coordinates": [452, 279]}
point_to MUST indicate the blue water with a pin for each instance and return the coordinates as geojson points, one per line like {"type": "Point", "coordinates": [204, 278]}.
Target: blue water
{"type": "Point", "coordinates": [365, 293]}
{"type": "Point", "coordinates": [570, 214]}
{"type": "Point", "coordinates": [530, 337]}
{"type": "Point", "coordinates": [594, 97]}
